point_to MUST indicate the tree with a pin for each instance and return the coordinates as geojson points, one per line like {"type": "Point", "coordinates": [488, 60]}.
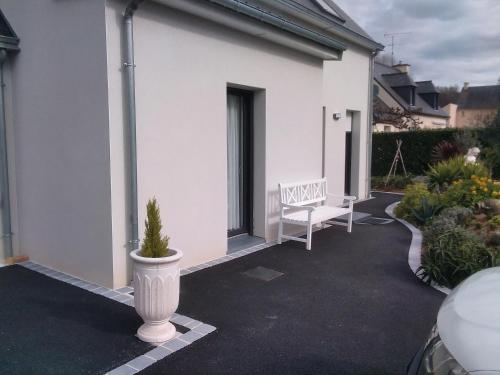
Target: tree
{"type": "Point", "coordinates": [400, 118]}
{"type": "Point", "coordinates": [448, 94]}
{"type": "Point", "coordinates": [154, 245]}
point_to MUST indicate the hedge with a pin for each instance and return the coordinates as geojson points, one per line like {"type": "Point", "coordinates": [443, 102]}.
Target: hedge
{"type": "Point", "coordinates": [416, 149]}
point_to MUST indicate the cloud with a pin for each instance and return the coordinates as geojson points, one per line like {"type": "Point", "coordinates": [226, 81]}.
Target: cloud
{"type": "Point", "coordinates": [426, 9]}
{"type": "Point", "coordinates": [449, 41]}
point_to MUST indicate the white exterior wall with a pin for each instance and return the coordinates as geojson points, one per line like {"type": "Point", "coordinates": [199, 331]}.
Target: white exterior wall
{"type": "Point", "coordinates": [346, 85]}
{"type": "Point", "coordinates": [184, 65]}
{"type": "Point", "coordinates": [58, 135]}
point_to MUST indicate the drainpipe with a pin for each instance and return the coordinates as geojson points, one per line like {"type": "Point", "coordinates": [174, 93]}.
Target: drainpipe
{"type": "Point", "coordinates": [370, 128]}
{"type": "Point", "coordinates": [6, 234]}
{"type": "Point", "coordinates": [129, 70]}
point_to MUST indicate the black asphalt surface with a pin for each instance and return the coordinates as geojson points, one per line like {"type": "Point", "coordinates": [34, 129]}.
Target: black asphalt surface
{"type": "Point", "coordinates": [349, 306]}
{"type": "Point", "coordinates": [51, 327]}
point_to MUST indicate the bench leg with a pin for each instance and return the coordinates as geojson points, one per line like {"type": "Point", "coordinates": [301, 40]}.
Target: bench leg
{"type": "Point", "coordinates": [309, 237]}
{"type": "Point", "coordinates": [280, 232]}
{"type": "Point", "coordinates": [349, 223]}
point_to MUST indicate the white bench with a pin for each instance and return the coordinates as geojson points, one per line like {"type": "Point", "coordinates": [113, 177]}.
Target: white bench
{"type": "Point", "coordinates": [305, 204]}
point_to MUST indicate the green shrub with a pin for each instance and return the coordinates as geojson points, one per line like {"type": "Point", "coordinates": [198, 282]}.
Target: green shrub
{"type": "Point", "coordinates": [154, 245]}
{"type": "Point", "coordinates": [469, 192]}
{"type": "Point", "coordinates": [452, 256]}
{"type": "Point", "coordinates": [490, 138]}
{"type": "Point", "coordinates": [398, 182]}
{"type": "Point", "coordinates": [417, 149]}
{"type": "Point", "coordinates": [426, 211]}
{"type": "Point", "coordinates": [448, 219]}
{"type": "Point", "coordinates": [494, 222]}
{"type": "Point", "coordinates": [460, 215]}
{"type": "Point", "coordinates": [412, 199]}
{"type": "Point", "coordinates": [443, 174]}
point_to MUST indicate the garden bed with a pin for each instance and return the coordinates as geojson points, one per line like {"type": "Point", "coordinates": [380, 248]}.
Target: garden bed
{"type": "Point", "coordinates": [458, 210]}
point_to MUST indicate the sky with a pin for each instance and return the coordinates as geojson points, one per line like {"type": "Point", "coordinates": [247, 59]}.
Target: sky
{"type": "Point", "coordinates": [449, 41]}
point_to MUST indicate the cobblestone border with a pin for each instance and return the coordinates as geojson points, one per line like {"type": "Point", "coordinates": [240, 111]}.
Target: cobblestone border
{"type": "Point", "coordinates": [196, 328]}
{"type": "Point", "coordinates": [415, 252]}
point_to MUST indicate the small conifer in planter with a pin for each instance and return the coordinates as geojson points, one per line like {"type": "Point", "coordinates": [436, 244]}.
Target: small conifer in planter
{"type": "Point", "coordinates": [154, 245]}
{"type": "Point", "coordinates": [156, 280]}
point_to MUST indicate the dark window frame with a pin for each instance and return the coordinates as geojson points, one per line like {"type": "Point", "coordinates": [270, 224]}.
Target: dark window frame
{"type": "Point", "coordinates": [248, 154]}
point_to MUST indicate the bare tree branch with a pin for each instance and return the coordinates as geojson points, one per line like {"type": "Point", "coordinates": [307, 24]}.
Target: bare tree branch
{"type": "Point", "coordinates": [400, 118]}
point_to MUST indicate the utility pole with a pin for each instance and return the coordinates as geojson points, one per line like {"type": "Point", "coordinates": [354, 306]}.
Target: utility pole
{"type": "Point", "coordinates": [392, 44]}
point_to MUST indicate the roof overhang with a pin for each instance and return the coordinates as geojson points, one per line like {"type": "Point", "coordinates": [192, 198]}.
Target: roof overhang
{"type": "Point", "coordinates": [326, 25]}
{"type": "Point", "coordinates": [255, 21]}
{"type": "Point", "coordinates": [8, 38]}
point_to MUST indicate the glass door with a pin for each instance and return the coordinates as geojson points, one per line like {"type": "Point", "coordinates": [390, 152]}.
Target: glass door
{"type": "Point", "coordinates": [239, 156]}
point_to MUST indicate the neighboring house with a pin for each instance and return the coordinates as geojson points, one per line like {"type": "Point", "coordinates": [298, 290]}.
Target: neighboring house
{"type": "Point", "coordinates": [476, 106]}
{"type": "Point", "coordinates": [395, 89]}
{"type": "Point", "coordinates": [229, 99]}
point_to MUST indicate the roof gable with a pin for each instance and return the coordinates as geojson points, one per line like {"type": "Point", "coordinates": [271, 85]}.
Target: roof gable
{"type": "Point", "coordinates": [390, 79]}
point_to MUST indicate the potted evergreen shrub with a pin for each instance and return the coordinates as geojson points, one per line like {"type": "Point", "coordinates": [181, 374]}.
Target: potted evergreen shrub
{"type": "Point", "coordinates": [156, 280]}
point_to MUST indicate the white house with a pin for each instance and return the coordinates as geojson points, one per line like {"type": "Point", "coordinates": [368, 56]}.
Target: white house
{"type": "Point", "coordinates": [208, 105]}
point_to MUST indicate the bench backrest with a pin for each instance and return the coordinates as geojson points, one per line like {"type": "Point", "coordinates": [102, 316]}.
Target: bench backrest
{"type": "Point", "coordinates": [304, 192]}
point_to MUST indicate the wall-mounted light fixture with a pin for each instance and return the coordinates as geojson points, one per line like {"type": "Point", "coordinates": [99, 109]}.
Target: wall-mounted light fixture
{"type": "Point", "coordinates": [337, 116]}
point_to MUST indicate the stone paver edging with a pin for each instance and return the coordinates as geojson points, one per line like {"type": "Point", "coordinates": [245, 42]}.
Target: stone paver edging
{"type": "Point", "coordinates": [196, 329]}
{"type": "Point", "coordinates": [415, 252]}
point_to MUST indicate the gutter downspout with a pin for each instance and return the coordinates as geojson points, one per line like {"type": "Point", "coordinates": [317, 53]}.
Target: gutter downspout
{"type": "Point", "coordinates": [370, 128]}
{"type": "Point", "coordinates": [6, 234]}
{"type": "Point", "coordinates": [129, 69]}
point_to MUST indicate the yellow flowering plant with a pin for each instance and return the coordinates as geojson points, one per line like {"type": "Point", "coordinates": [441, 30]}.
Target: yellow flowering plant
{"type": "Point", "coordinates": [467, 192]}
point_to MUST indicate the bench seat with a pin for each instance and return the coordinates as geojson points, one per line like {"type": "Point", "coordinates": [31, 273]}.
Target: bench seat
{"type": "Point", "coordinates": [319, 215]}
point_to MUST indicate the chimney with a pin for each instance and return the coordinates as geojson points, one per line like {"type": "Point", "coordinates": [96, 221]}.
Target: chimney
{"type": "Point", "coordinates": [466, 86]}
{"type": "Point", "coordinates": [403, 68]}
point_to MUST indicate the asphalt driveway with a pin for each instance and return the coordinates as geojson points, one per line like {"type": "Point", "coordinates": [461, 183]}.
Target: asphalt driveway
{"type": "Point", "coordinates": [349, 306]}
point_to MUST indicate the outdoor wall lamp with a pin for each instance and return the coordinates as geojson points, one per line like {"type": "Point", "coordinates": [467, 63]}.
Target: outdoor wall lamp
{"type": "Point", "coordinates": [337, 116]}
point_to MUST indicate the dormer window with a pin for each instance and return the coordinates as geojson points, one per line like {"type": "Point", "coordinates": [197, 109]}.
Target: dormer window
{"type": "Point", "coordinates": [429, 93]}
{"type": "Point", "coordinates": [412, 96]}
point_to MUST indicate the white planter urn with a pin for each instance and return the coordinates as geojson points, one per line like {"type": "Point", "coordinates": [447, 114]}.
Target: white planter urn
{"type": "Point", "coordinates": [156, 294]}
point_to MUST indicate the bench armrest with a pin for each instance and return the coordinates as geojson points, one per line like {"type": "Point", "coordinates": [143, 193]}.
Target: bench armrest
{"type": "Point", "coordinates": [345, 197]}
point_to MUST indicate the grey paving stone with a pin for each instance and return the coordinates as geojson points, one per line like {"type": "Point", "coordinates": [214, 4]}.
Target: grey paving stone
{"type": "Point", "coordinates": [191, 336]}
{"type": "Point", "coordinates": [129, 302]}
{"type": "Point", "coordinates": [90, 287]}
{"type": "Point", "coordinates": [204, 329]}
{"type": "Point", "coordinates": [141, 362]}
{"type": "Point", "coordinates": [159, 353]}
{"type": "Point", "coordinates": [125, 289]}
{"type": "Point", "coordinates": [110, 293]}
{"type": "Point", "coordinates": [175, 344]}
{"type": "Point", "coordinates": [181, 319]}
{"type": "Point", "coordinates": [100, 290]}
{"type": "Point", "coordinates": [192, 324]}
{"type": "Point", "coordinates": [123, 370]}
